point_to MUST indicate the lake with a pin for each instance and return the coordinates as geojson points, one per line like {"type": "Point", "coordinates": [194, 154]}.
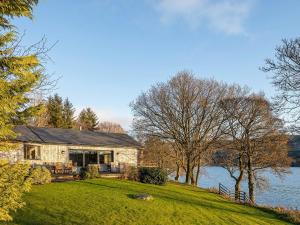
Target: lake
{"type": "Point", "coordinates": [280, 192]}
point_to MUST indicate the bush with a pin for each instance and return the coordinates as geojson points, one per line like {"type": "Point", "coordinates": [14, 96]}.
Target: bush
{"type": "Point", "coordinates": [130, 173]}
{"type": "Point", "coordinates": [153, 175]}
{"type": "Point", "coordinates": [289, 215]}
{"type": "Point", "coordinates": [90, 172]}
{"type": "Point", "coordinates": [13, 183]}
{"type": "Point", "coordinates": [40, 175]}
{"type": "Point", "coordinates": [84, 174]}
{"type": "Point", "coordinates": [75, 175]}
{"type": "Point", "coordinates": [133, 174]}
{"type": "Point", "coordinates": [93, 170]}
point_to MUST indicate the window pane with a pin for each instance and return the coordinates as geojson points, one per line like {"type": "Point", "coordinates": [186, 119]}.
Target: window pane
{"type": "Point", "coordinates": [105, 157]}
{"type": "Point", "coordinates": [32, 152]}
{"type": "Point", "coordinates": [76, 158]}
{"type": "Point", "coordinates": [90, 158]}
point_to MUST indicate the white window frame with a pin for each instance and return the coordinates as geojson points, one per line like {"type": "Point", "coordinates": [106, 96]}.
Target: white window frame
{"type": "Point", "coordinates": [29, 149]}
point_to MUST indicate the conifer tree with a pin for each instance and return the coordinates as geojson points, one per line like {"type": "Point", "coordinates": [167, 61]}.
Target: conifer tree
{"type": "Point", "coordinates": [60, 113]}
{"type": "Point", "coordinates": [55, 111]}
{"type": "Point", "coordinates": [19, 74]}
{"type": "Point", "coordinates": [68, 114]}
{"type": "Point", "coordinates": [88, 120]}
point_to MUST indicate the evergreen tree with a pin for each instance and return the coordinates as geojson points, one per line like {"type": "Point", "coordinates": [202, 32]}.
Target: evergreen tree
{"type": "Point", "coordinates": [88, 120]}
{"type": "Point", "coordinates": [19, 74]}
{"type": "Point", "coordinates": [55, 111]}
{"type": "Point", "coordinates": [68, 114]}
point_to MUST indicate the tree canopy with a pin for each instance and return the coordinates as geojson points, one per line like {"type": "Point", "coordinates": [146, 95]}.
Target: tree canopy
{"type": "Point", "coordinates": [19, 75]}
{"type": "Point", "coordinates": [197, 117]}
{"type": "Point", "coordinates": [185, 112]}
{"type": "Point", "coordinates": [88, 120]}
{"type": "Point", "coordinates": [110, 127]}
{"type": "Point", "coordinates": [68, 114]}
{"type": "Point", "coordinates": [285, 70]}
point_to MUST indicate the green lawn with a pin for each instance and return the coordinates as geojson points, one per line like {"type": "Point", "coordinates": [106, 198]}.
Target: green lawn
{"type": "Point", "coordinates": [108, 201]}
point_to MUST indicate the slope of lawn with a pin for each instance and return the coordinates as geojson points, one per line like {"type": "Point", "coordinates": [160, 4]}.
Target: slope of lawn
{"type": "Point", "coordinates": [109, 201]}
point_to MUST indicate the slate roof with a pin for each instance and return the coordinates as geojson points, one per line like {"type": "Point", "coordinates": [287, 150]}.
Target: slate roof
{"type": "Point", "coordinates": [73, 137]}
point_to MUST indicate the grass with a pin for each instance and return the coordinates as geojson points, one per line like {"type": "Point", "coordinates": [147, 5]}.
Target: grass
{"type": "Point", "coordinates": [291, 215]}
{"type": "Point", "coordinates": [109, 201]}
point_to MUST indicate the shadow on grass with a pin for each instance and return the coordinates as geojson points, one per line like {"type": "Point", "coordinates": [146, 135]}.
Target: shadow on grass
{"type": "Point", "coordinates": [132, 196]}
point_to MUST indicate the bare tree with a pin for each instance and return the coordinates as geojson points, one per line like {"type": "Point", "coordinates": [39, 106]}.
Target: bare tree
{"type": "Point", "coordinates": [184, 111]}
{"type": "Point", "coordinates": [110, 127]}
{"type": "Point", "coordinates": [232, 154]}
{"type": "Point", "coordinates": [232, 159]}
{"type": "Point", "coordinates": [286, 79]}
{"type": "Point", "coordinates": [256, 137]}
{"type": "Point", "coordinates": [46, 82]}
{"type": "Point", "coordinates": [41, 118]}
{"type": "Point", "coordinates": [159, 153]}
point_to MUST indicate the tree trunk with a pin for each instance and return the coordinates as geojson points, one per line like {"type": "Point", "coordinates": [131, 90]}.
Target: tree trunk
{"type": "Point", "coordinates": [250, 180]}
{"type": "Point", "coordinates": [238, 181]}
{"type": "Point", "coordinates": [188, 172]}
{"type": "Point", "coordinates": [193, 182]}
{"type": "Point", "coordinates": [198, 173]}
{"type": "Point", "coordinates": [177, 172]}
{"type": "Point", "coordinates": [237, 186]}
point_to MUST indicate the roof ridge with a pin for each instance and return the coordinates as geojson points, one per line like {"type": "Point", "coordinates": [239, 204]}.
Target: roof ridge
{"type": "Point", "coordinates": [35, 133]}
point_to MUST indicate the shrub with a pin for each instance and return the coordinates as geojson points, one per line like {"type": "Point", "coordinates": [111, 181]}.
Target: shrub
{"type": "Point", "coordinates": [289, 215]}
{"type": "Point", "coordinates": [84, 174]}
{"type": "Point", "coordinates": [90, 172]}
{"type": "Point", "coordinates": [75, 175]}
{"type": "Point", "coordinates": [130, 173]}
{"type": "Point", "coordinates": [93, 170]}
{"type": "Point", "coordinates": [13, 183]}
{"type": "Point", "coordinates": [40, 175]}
{"type": "Point", "coordinates": [133, 174]}
{"type": "Point", "coordinates": [153, 175]}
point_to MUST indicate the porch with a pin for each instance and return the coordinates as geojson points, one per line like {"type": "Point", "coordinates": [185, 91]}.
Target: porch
{"type": "Point", "coordinates": [71, 169]}
{"type": "Point", "coordinates": [69, 177]}
{"type": "Point", "coordinates": [83, 158]}
{"type": "Point", "coordinates": [77, 159]}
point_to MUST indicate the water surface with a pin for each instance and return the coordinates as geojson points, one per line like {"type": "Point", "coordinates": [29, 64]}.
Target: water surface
{"type": "Point", "coordinates": [280, 192]}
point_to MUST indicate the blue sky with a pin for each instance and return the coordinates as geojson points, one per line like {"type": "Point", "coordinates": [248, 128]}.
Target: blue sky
{"type": "Point", "coordinates": [109, 51]}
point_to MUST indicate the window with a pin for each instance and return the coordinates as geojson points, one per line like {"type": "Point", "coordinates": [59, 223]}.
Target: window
{"type": "Point", "coordinates": [82, 158]}
{"type": "Point", "coordinates": [32, 152]}
{"type": "Point", "coordinates": [90, 157]}
{"type": "Point", "coordinates": [76, 157]}
{"type": "Point", "coordinates": [106, 157]}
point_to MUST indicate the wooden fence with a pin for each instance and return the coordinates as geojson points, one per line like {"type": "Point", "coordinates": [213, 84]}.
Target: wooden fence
{"type": "Point", "coordinates": [240, 196]}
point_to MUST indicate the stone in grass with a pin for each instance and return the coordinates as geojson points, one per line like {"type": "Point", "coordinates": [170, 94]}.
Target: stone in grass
{"type": "Point", "coordinates": [143, 196]}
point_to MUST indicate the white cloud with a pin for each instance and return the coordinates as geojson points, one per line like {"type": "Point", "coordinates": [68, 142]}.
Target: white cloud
{"type": "Point", "coordinates": [227, 16]}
